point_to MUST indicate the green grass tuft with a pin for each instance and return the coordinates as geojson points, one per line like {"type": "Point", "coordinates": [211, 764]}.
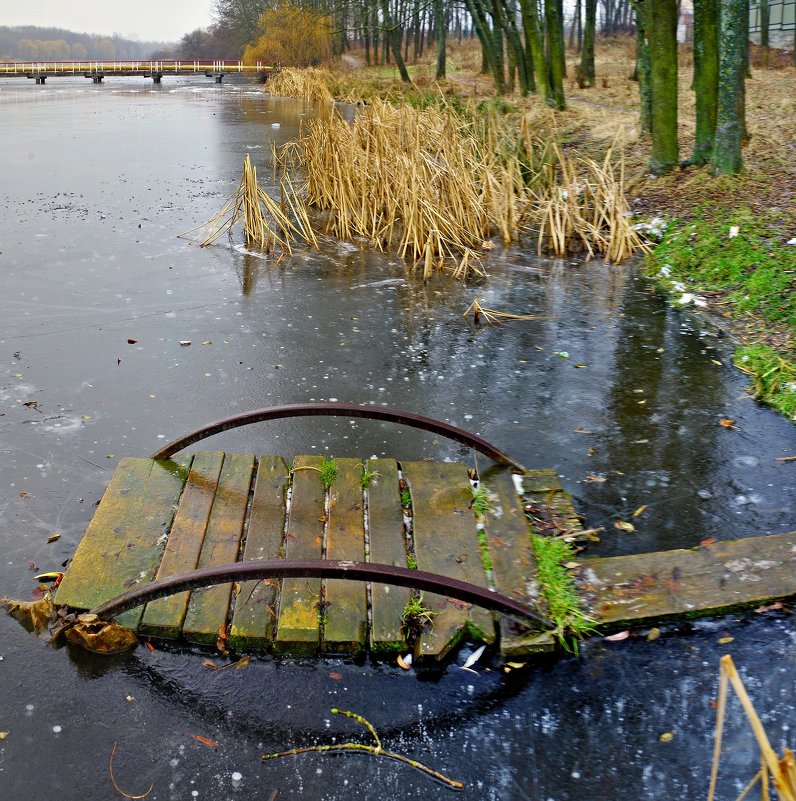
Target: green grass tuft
{"type": "Point", "coordinates": [368, 476]}
{"type": "Point", "coordinates": [480, 503]}
{"type": "Point", "coordinates": [558, 593]}
{"type": "Point", "coordinates": [773, 378]}
{"type": "Point", "coordinates": [328, 471]}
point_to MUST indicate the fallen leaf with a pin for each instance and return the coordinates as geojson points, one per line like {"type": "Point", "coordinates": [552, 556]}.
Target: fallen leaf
{"type": "Point", "coordinates": [207, 342]}
{"type": "Point", "coordinates": [593, 478]}
{"type": "Point", "coordinates": [33, 614]}
{"type": "Point", "coordinates": [132, 341]}
{"type": "Point", "coordinates": [770, 607]}
{"type": "Point", "coordinates": [185, 342]}
{"type": "Point", "coordinates": [405, 661]}
{"type": "Point", "coordinates": [243, 662]}
{"type": "Point", "coordinates": [572, 565]}
{"type": "Point", "coordinates": [222, 639]}
{"type": "Point", "coordinates": [716, 361]}
{"type": "Point", "coordinates": [4, 734]}
{"type": "Point", "coordinates": [725, 640]}
{"type": "Point", "coordinates": [209, 664]}
{"type": "Point", "coordinates": [204, 740]}
{"type": "Point", "coordinates": [623, 525]}
{"type": "Point", "coordinates": [653, 634]}
{"type": "Point", "coordinates": [53, 538]}
{"type": "Point", "coordinates": [23, 494]}
{"type": "Point", "coordinates": [335, 675]}
{"type": "Point", "coordinates": [582, 431]}
{"type": "Point", "coordinates": [785, 458]}
{"type": "Point", "coordinates": [727, 422]}
{"type": "Point", "coordinates": [622, 635]}
{"type": "Point", "coordinates": [515, 665]}
{"type": "Point", "coordinates": [100, 636]}
{"type": "Point", "coordinates": [150, 646]}
{"type": "Point", "coordinates": [474, 657]}
{"type": "Point", "coordinates": [707, 541]}
{"type": "Point", "coordinates": [641, 509]}
{"type": "Point", "coordinates": [666, 737]}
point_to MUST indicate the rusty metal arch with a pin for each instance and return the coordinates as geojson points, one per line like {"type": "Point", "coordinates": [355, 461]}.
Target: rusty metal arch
{"type": "Point", "coordinates": [319, 568]}
{"type": "Point", "coordinates": [341, 410]}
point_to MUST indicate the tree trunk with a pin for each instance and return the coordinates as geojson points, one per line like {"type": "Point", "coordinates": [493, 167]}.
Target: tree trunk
{"type": "Point", "coordinates": [534, 40]}
{"type": "Point", "coordinates": [574, 31]}
{"type": "Point", "coordinates": [663, 63]}
{"type": "Point", "coordinates": [562, 43]}
{"type": "Point", "coordinates": [587, 53]}
{"type": "Point", "coordinates": [394, 34]}
{"type": "Point", "coordinates": [481, 25]}
{"type": "Point", "coordinates": [439, 21]}
{"type": "Point", "coordinates": [643, 68]}
{"type": "Point", "coordinates": [706, 76]}
{"type": "Point", "coordinates": [555, 41]}
{"type": "Point", "coordinates": [733, 33]}
{"type": "Point", "coordinates": [764, 20]}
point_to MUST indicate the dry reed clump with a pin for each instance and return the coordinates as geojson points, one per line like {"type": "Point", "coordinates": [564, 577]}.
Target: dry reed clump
{"type": "Point", "coordinates": [585, 207]}
{"type": "Point", "coordinates": [266, 223]}
{"type": "Point", "coordinates": [431, 181]}
{"type": "Point", "coordinates": [311, 83]}
{"type": "Point", "coordinates": [439, 182]}
{"type": "Point", "coordinates": [780, 771]}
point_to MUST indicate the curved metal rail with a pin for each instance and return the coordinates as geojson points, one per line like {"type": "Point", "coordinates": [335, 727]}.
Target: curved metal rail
{"type": "Point", "coordinates": [318, 568]}
{"type": "Point", "coordinates": [341, 410]}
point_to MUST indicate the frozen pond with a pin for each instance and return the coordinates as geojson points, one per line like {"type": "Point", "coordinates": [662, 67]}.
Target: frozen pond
{"type": "Point", "coordinates": [608, 385]}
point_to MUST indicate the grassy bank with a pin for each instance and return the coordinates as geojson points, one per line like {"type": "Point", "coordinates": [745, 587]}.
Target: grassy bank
{"type": "Point", "coordinates": [742, 267]}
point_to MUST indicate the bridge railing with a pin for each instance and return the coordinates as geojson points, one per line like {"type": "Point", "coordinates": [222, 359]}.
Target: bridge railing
{"type": "Point", "coordinates": [176, 67]}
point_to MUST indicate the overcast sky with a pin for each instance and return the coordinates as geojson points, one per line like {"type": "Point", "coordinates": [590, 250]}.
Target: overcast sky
{"type": "Point", "coordinates": [159, 20]}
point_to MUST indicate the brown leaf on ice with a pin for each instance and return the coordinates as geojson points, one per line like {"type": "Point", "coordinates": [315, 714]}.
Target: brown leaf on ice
{"type": "Point", "coordinates": [623, 525]}
{"type": "Point", "coordinates": [204, 740]}
{"type": "Point", "coordinates": [100, 636]}
{"type": "Point", "coordinates": [335, 675]}
{"type": "Point", "coordinates": [209, 664]}
{"type": "Point", "coordinates": [727, 422]}
{"type": "Point", "coordinates": [622, 635]}
{"type": "Point", "coordinates": [770, 607]}
{"type": "Point", "coordinates": [31, 614]}
{"type": "Point", "coordinates": [223, 639]}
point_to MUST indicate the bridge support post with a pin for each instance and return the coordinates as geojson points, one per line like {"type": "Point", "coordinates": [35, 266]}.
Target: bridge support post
{"type": "Point", "coordinates": [219, 78]}
{"type": "Point", "coordinates": [156, 76]}
{"type": "Point", "coordinates": [41, 78]}
{"type": "Point", "coordinates": [97, 78]}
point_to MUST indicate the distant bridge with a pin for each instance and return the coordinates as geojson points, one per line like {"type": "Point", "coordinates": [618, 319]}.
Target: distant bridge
{"type": "Point", "coordinates": [97, 70]}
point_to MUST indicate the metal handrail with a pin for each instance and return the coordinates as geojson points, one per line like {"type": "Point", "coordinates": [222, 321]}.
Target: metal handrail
{"type": "Point", "coordinates": [341, 410]}
{"type": "Point", "coordinates": [320, 568]}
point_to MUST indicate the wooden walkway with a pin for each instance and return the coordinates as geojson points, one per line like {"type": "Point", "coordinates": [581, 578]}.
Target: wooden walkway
{"type": "Point", "coordinates": [162, 517]}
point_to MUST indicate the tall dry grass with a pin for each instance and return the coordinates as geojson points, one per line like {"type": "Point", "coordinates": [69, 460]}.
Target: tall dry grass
{"type": "Point", "coordinates": [267, 224]}
{"type": "Point", "coordinates": [438, 183]}
{"type": "Point", "coordinates": [311, 83]}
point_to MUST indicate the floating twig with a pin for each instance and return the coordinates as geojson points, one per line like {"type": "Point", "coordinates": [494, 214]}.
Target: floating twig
{"type": "Point", "coordinates": [373, 750]}
{"type": "Point", "coordinates": [116, 786]}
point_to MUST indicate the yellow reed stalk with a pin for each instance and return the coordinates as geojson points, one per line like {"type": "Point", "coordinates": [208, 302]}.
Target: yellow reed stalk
{"type": "Point", "coordinates": [782, 771]}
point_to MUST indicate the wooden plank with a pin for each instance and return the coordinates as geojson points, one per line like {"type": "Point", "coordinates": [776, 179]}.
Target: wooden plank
{"type": "Point", "coordinates": [125, 540]}
{"type": "Point", "coordinates": [208, 607]}
{"type": "Point", "coordinates": [644, 588]}
{"type": "Point", "coordinates": [512, 558]}
{"type": "Point", "coordinates": [446, 542]}
{"type": "Point", "coordinates": [345, 608]}
{"type": "Point", "coordinates": [253, 620]}
{"type": "Point", "coordinates": [387, 546]}
{"type": "Point", "coordinates": [164, 617]}
{"type": "Point", "coordinates": [298, 621]}
{"type": "Point", "coordinates": [549, 502]}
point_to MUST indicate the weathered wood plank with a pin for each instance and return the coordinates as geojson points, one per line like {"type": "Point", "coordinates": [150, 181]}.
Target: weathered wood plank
{"type": "Point", "coordinates": [125, 540]}
{"type": "Point", "coordinates": [164, 617]}
{"type": "Point", "coordinates": [387, 547]}
{"type": "Point", "coordinates": [208, 607]}
{"type": "Point", "coordinates": [346, 612]}
{"type": "Point", "coordinates": [548, 500]}
{"type": "Point", "coordinates": [643, 588]}
{"type": "Point", "coordinates": [298, 621]}
{"type": "Point", "coordinates": [446, 542]}
{"type": "Point", "coordinates": [512, 558]}
{"type": "Point", "coordinates": [253, 620]}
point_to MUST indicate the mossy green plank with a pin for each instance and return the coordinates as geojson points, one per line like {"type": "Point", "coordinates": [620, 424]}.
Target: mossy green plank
{"type": "Point", "coordinates": [388, 547]}
{"type": "Point", "coordinates": [125, 540]}
{"type": "Point", "coordinates": [345, 609]}
{"type": "Point", "coordinates": [255, 613]}
{"type": "Point", "coordinates": [644, 588]}
{"type": "Point", "coordinates": [208, 607]}
{"type": "Point", "coordinates": [512, 558]}
{"type": "Point", "coordinates": [298, 621]}
{"type": "Point", "coordinates": [446, 542]}
{"type": "Point", "coordinates": [164, 617]}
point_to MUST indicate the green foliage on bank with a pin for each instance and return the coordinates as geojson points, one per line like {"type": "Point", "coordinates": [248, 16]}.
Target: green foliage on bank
{"type": "Point", "coordinates": [773, 377]}
{"type": "Point", "coordinates": [755, 269]}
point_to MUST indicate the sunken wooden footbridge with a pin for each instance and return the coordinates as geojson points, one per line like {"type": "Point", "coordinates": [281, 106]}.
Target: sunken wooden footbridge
{"type": "Point", "coordinates": [318, 556]}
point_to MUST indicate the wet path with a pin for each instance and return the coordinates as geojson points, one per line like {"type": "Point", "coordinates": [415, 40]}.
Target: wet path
{"type": "Point", "coordinates": [96, 294]}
